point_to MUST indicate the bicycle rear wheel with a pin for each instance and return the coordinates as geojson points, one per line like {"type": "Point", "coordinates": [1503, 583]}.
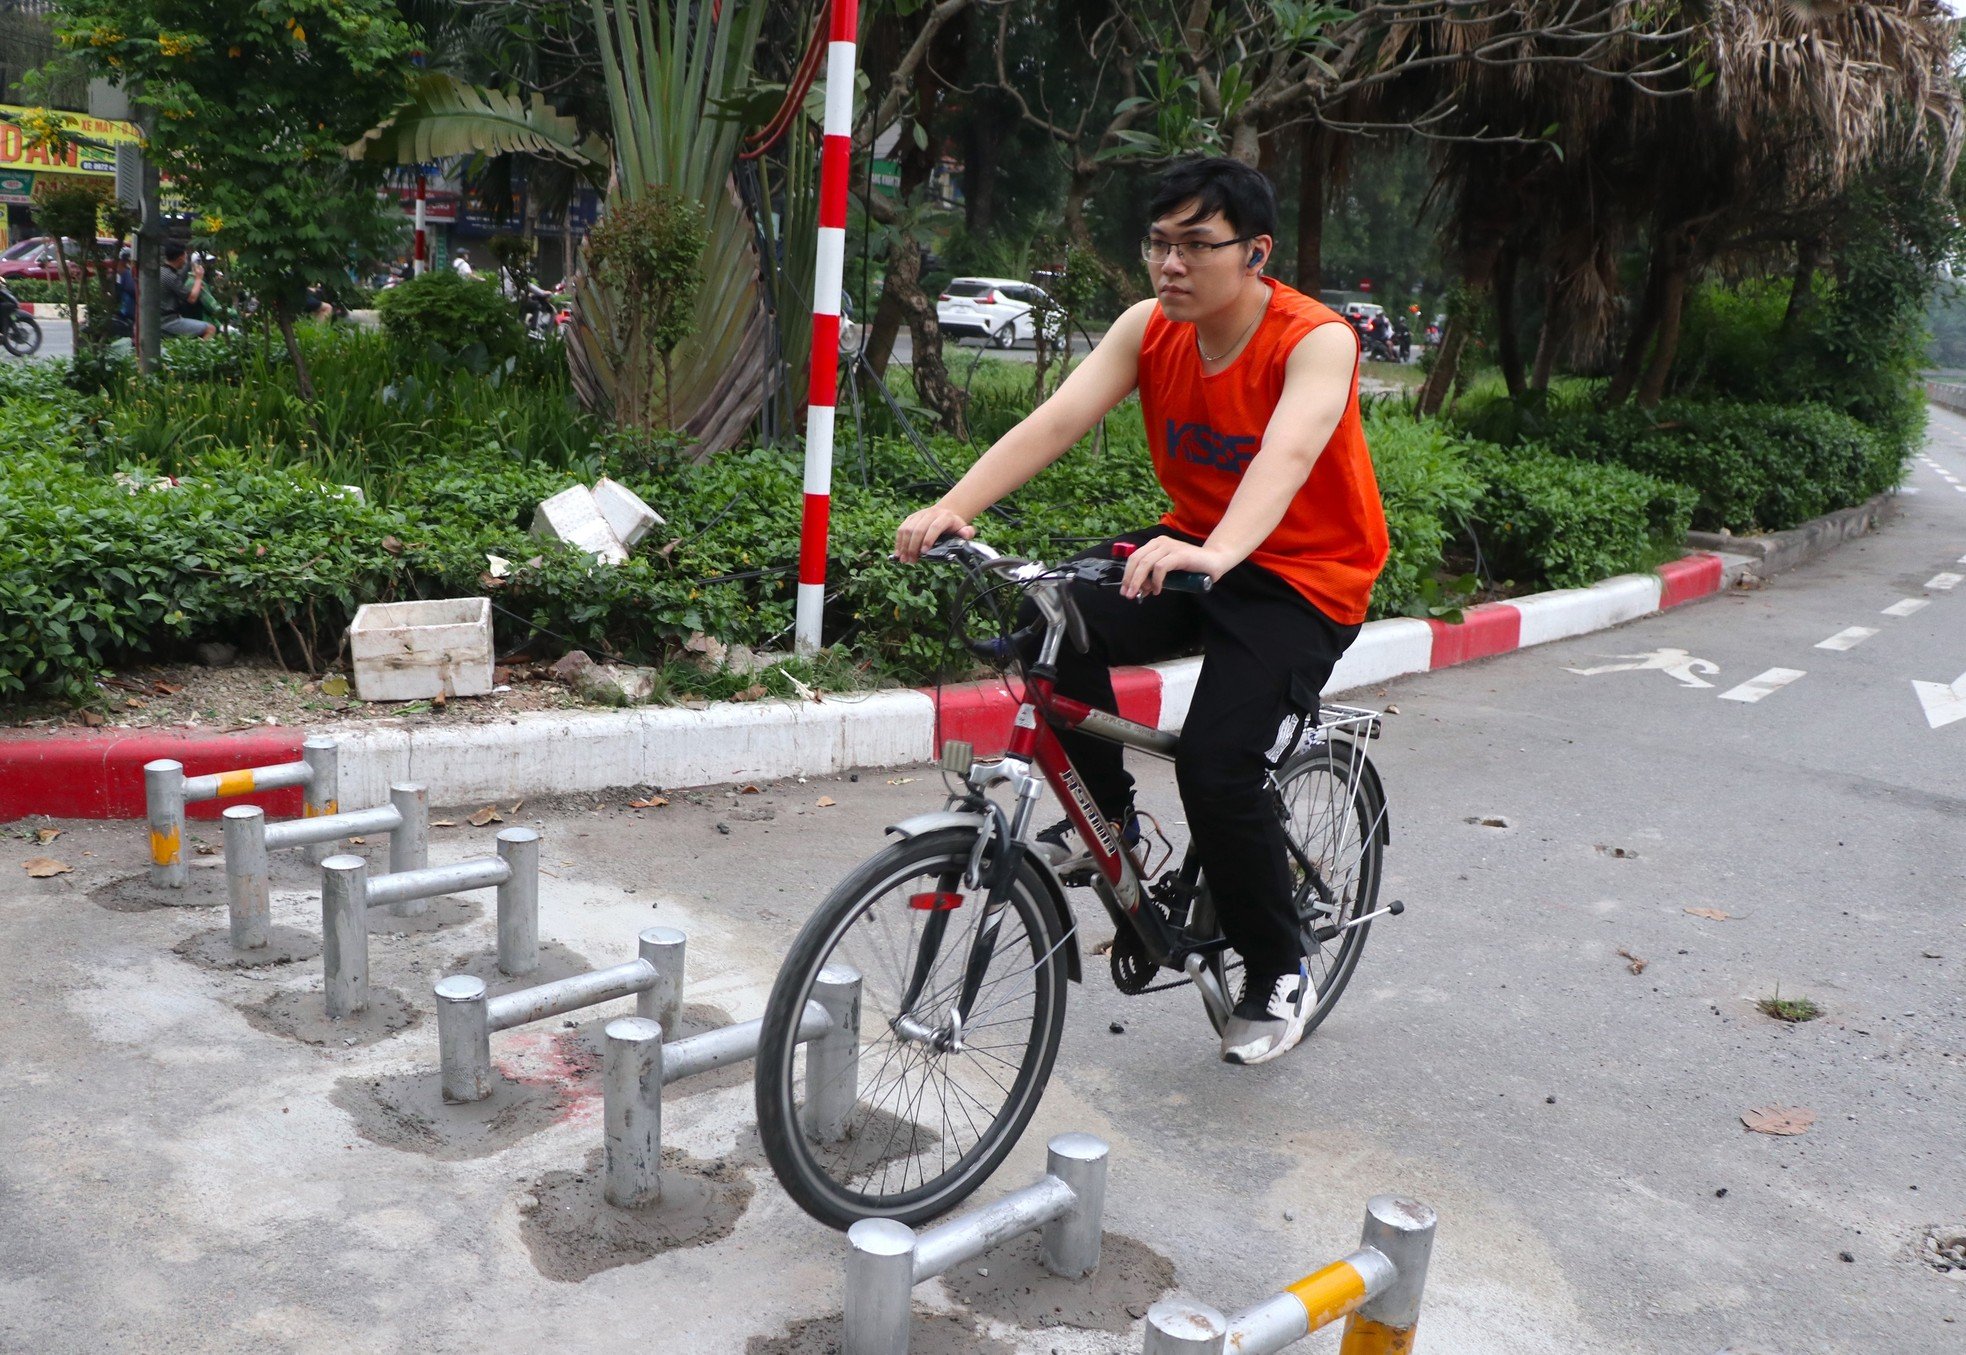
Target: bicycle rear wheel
{"type": "Point", "coordinates": [1334, 815]}
{"type": "Point", "coordinates": [928, 1124]}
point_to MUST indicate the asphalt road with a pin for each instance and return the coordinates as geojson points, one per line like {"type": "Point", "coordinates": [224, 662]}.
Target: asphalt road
{"type": "Point", "coordinates": [57, 341]}
{"type": "Point", "coordinates": [178, 1179]}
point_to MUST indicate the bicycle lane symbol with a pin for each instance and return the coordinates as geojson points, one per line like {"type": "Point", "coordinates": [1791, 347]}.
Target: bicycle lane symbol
{"type": "Point", "coordinates": [1678, 664]}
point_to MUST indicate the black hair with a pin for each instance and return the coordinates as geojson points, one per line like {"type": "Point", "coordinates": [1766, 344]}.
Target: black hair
{"type": "Point", "coordinates": [174, 249]}
{"type": "Point", "coordinates": [1215, 183]}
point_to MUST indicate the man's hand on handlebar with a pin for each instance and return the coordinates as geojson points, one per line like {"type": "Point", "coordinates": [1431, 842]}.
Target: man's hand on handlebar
{"type": "Point", "coordinates": [1148, 566]}
{"type": "Point", "coordinates": [923, 528]}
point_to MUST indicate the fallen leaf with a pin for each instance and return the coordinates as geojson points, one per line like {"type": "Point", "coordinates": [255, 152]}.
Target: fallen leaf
{"type": "Point", "coordinates": [92, 720]}
{"type": "Point", "coordinates": [134, 703]}
{"type": "Point", "coordinates": [163, 688]}
{"type": "Point", "coordinates": [1392, 710]}
{"type": "Point", "coordinates": [899, 780]}
{"type": "Point", "coordinates": [1492, 822]}
{"type": "Point", "coordinates": [517, 805]}
{"type": "Point", "coordinates": [335, 685]}
{"type": "Point", "coordinates": [1637, 966]}
{"type": "Point", "coordinates": [443, 823]}
{"type": "Point", "coordinates": [1711, 914]}
{"type": "Point", "coordinates": [206, 849]}
{"type": "Point", "coordinates": [489, 814]}
{"type": "Point", "coordinates": [749, 790]}
{"type": "Point", "coordinates": [653, 802]}
{"type": "Point", "coordinates": [43, 836]}
{"type": "Point", "coordinates": [393, 544]}
{"type": "Point", "coordinates": [358, 842]}
{"type": "Point", "coordinates": [41, 867]}
{"type": "Point", "coordinates": [756, 691]}
{"type": "Point", "coordinates": [1783, 1120]}
{"type": "Point", "coordinates": [826, 802]}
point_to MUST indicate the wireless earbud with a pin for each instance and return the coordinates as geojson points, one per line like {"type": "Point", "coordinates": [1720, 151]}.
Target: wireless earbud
{"type": "Point", "coordinates": [1255, 258]}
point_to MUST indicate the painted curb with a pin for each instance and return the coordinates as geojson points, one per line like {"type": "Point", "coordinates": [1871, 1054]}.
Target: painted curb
{"type": "Point", "coordinates": [557, 752]}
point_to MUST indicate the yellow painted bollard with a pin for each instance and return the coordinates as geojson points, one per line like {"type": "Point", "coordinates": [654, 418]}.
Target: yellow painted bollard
{"type": "Point", "coordinates": [1403, 1231]}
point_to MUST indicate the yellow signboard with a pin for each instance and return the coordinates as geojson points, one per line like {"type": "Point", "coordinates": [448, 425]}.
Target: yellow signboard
{"type": "Point", "coordinates": [91, 148]}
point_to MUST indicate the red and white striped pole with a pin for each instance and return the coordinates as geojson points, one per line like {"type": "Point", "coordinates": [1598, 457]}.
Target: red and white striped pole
{"type": "Point", "coordinates": [421, 259]}
{"type": "Point", "coordinates": [843, 21]}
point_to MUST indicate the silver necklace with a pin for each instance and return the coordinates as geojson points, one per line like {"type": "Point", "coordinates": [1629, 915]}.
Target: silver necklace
{"type": "Point", "coordinates": [1239, 338]}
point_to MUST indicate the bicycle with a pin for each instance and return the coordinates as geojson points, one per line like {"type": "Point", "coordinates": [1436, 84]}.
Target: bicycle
{"type": "Point", "coordinates": [963, 1029]}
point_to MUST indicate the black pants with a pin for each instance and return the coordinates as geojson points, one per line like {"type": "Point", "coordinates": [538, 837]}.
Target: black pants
{"type": "Point", "coordinates": [1266, 653]}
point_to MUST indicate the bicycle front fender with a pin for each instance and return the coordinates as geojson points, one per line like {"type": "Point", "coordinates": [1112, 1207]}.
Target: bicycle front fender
{"type": "Point", "coordinates": [978, 822]}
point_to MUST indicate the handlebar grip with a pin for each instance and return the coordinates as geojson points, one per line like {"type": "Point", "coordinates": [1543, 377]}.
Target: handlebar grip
{"type": "Point", "coordinates": [1187, 581]}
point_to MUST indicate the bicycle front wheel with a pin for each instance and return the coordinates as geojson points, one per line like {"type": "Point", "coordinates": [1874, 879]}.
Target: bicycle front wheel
{"type": "Point", "coordinates": [1333, 814]}
{"type": "Point", "coordinates": [925, 1120]}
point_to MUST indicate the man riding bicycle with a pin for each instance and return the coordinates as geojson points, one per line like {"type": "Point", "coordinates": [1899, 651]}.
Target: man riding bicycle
{"type": "Point", "coordinates": [1249, 391]}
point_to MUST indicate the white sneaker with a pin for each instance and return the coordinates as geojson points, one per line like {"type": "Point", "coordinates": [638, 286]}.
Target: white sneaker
{"type": "Point", "coordinates": [1268, 1023]}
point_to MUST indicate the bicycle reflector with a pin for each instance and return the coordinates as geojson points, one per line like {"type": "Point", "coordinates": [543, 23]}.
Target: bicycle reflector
{"type": "Point", "coordinates": [936, 901]}
{"type": "Point", "coordinates": [958, 756]}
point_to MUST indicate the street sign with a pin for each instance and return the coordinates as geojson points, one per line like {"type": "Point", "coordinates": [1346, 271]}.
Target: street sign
{"type": "Point", "coordinates": [17, 187]}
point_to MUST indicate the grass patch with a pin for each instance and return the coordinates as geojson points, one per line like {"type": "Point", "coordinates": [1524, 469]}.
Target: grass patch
{"type": "Point", "coordinates": [1794, 1010]}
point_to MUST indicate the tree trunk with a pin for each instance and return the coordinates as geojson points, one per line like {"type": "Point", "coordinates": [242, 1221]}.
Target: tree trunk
{"type": "Point", "coordinates": [932, 383]}
{"type": "Point", "coordinates": [1508, 352]}
{"type": "Point", "coordinates": [1433, 393]}
{"type": "Point", "coordinates": [1644, 324]}
{"type": "Point", "coordinates": [303, 379]}
{"type": "Point", "coordinates": [1245, 142]}
{"type": "Point", "coordinates": [983, 136]}
{"type": "Point", "coordinates": [1672, 306]}
{"type": "Point", "coordinates": [1312, 163]}
{"type": "Point", "coordinates": [68, 285]}
{"type": "Point", "coordinates": [1548, 337]}
{"type": "Point", "coordinates": [1802, 289]}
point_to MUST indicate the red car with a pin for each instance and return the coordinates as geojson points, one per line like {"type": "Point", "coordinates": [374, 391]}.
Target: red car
{"type": "Point", "coordinates": [35, 257]}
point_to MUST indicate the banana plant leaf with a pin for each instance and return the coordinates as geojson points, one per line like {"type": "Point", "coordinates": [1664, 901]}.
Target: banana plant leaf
{"type": "Point", "coordinates": [446, 117]}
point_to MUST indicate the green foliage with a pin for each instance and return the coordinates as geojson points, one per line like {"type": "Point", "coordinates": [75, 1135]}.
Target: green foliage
{"type": "Point", "coordinates": [250, 107]}
{"type": "Point", "coordinates": [647, 250]}
{"type": "Point", "coordinates": [1755, 467]}
{"type": "Point", "coordinates": [1429, 489]}
{"type": "Point", "coordinates": [38, 290]}
{"type": "Point", "coordinates": [1569, 523]}
{"type": "Point", "coordinates": [451, 313]}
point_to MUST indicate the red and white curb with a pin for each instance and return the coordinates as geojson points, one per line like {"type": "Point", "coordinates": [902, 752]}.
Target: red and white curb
{"type": "Point", "coordinates": [100, 774]}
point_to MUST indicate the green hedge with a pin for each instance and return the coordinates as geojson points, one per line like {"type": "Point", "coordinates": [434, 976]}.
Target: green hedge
{"type": "Point", "coordinates": [1566, 523]}
{"type": "Point", "coordinates": [1755, 467]}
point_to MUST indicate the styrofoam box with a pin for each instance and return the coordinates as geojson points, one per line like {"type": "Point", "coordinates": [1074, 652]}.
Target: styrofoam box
{"type": "Point", "coordinates": [412, 651]}
{"type": "Point", "coordinates": [572, 516]}
{"type": "Point", "coordinates": [625, 512]}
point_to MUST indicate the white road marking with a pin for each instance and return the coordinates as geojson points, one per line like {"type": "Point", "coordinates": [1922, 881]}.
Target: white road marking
{"type": "Point", "coordinates": [1847, 639]}
{"type": "Point", "coordinates": [1757, 687]}
{"type": "Point", "coordinates": [1942, 702]}
{"type": "Point", "coordinates": [1675, 663]}
{"type": "Point", "coordinates": [1945, 583]}
{"type": "Point", "coordinates": [1907, 607]}
{"type": "Point", "coordinates": [1908, 489]}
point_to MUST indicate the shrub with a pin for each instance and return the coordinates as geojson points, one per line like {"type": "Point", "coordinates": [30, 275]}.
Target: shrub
{"type": "Point", "coordinates": [1567, 523]}
{"type": "Point", "coordinates": [1429, 490]}
{"type": "Point", "coordinates": [1755, 467]}
{"type": "Point", "coordinates": [451, 313]}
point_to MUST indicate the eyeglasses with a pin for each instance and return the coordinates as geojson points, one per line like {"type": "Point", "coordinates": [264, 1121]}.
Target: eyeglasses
{"type": "Point", "coordinates": [1188, 251]}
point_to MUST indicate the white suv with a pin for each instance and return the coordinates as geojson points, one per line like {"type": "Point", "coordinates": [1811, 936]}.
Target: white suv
{"type": "Point", "coordinates": [998, 309]}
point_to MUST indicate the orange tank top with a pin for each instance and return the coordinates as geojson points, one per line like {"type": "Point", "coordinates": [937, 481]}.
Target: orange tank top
{"type": "Point", "coordinates": [1205, 430]}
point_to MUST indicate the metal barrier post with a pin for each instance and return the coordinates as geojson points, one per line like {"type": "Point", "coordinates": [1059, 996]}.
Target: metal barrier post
{"type": "Point", "coordinates": [518, 902]}
{"type": "Point", "coordinates": [464, 1038]}
{"type": "Point", "coordinates": [345, 934]}
{"type": "Point", "coordinates": [1403, 1231]}
{"type": "Point", "coordinates": [1178, 1327]}
{"type": "Point", "coordinates": [1070, 1246]}
{"type": "Point", "coordinates": [247, 890]}
{"type": "Point", "coordinates": [323, 791]}
{"type": "Point", "coordinates": [163, 799]}
{"type": "Point", "coordinates": [880, 1283]}
{"type": "Point", "coordinates": [409, 843]}
{"type": "Point", "coordinates": [631, 1086]}
{"type": "Point", "coordinates": [662, 1001]}
{"type": "Point", "coordinates": [833, 1059]}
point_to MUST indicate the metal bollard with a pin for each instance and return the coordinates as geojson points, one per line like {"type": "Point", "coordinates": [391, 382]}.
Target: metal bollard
{"type": "Point", "coordinates": [1403, 1232]}
{"type": "Point", "coordinates": [163, 798]}
{"type": "Point", "coordinates": [631, 1088]}
{"type": "Point", "coordinates": [880, 1284]}
{"type": "Point", "coordinates": [518, 902]}
{"type": "Point", "coordinates": [345, 934]}
{"type": "Point", "coordinates": [662, 1002]}
{"type": "Point", "coordinates": [247, 889]}
{"type": "Point", "coordinates": [464, 1038]}
{"type": "Point", "coordinates": [409, 843]}
{"type": "Point", "coordinates": [833, 1060]}
{"type": "Point", "coordinates": [1178, 1327]}
{"type": "Point", "coordinates": [323, 790]}
{"type": "Point", "coordinates": [1070, 1242]}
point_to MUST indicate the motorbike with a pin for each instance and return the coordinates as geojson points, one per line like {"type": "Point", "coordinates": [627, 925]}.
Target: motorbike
{"type": "Point", "coordinates": [19, 332]}
{"type": "Point", "coordinates": [545, 312]}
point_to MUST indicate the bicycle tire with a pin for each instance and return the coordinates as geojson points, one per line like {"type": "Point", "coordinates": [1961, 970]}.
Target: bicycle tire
{"type": "Point", "coordinates": [1351, 851]}
{"type": "Point", "coordinates": [799, 1162]}
{"type": "Point", "coordinates": [23, 335]}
